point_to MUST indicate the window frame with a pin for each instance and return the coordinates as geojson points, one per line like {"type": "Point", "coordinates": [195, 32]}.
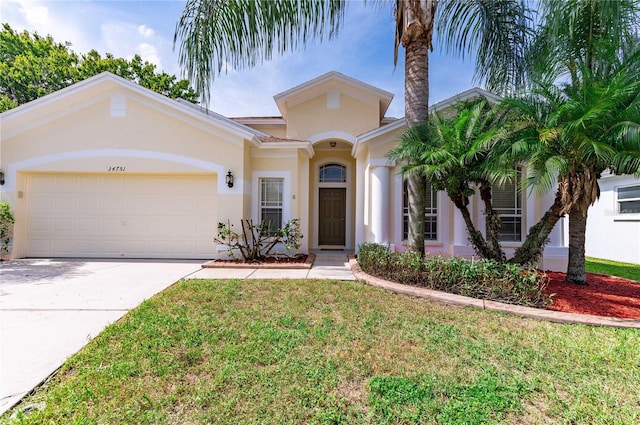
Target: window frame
{"type": "Point", "coordinates": [276, 205]}
{"type": "Point", "coordinates": [329, 165]}
{"type": "Point", "coordinates": [256, 195]}
{"type": "Point", "coordinates": [621, 201]}
{"type": "Point", "coordinates": [514, 215]}
{"type": "Point", "coordinates": [430, 214]}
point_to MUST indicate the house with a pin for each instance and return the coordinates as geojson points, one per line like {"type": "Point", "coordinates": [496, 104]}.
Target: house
{"type": "Point", "coordinates": [613, 224]}
{"type": "Point", "coordinates": [106, 168]}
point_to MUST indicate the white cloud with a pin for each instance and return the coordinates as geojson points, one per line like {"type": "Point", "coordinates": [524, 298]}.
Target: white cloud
{"type": "Point", "coordinates": [35, 15]}
{"type": "Point", "coordinates": [124, 39]}
{"type": "Point", "coordinates": [145, 31]}
{"type": "Point", "coordinates": [149, 53]}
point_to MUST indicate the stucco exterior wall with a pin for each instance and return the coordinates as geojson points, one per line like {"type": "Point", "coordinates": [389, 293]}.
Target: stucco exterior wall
{"type": "Point", "coordinates": [611, 235]}
{"type": "Point", "coordinates": [315, 116]}
{"type": "Point", "coordinates": [117, 133]}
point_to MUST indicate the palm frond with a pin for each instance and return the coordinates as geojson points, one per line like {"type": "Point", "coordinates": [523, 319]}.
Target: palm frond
{"type": "Point", "coordinates": [495, 31]}
{"type": "Point", "coordinates": [217, 35]}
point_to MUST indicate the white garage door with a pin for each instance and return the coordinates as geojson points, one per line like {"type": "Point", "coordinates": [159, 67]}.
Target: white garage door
{"type": "Point", "coordinates": [121, 216]}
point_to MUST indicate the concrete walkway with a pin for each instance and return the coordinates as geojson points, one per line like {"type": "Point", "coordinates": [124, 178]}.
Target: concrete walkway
{"type": "Point", "coordinates": [327, 265]}
{"type": "Point", "coordinates": [49, 309]}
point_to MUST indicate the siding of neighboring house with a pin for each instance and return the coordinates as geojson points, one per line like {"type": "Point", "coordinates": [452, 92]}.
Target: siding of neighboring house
{"type": "Point", "coordinates": [612, 233]}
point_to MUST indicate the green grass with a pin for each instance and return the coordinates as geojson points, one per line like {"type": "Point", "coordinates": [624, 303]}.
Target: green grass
{"type": "Point", "coordinates": [327, 352]}
{"type": "Point", "coordinates": [613, 268]}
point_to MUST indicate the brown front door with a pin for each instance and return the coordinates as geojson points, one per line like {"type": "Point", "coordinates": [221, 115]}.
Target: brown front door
{"type": "Point", "coordinates": [331, 221]}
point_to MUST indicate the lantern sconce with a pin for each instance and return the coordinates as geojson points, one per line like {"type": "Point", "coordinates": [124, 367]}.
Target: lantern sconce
{"type": "Point", "coordinates": [229, 179]}
{"type": "Point", "coordinates": [1, 177]}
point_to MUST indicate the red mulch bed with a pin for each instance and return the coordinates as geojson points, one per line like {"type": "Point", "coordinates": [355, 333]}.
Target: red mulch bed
{"type": "Point", "coordinates": [602, 296]}
{"type": "Point", "coordinates": [302, 261]}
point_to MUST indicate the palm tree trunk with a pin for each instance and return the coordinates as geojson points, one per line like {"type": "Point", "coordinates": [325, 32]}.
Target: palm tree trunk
{"type": "Point", "coordinates": [416, 86]}
{"type": "Point", "coordinates": [493, 224]}
{"type": "Point", "coordinates": [416, 94]}
{"type": "Point", "coordinates": [475, 237]}
{"type": "Point", "coordinates": [529, 253]}
{"type": "Point", "coordinates": [577, 233]}
{"type": "Point", "coordinates": [416, 188]}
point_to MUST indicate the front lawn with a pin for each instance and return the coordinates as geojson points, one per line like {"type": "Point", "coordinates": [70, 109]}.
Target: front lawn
{"type": "Point", "coordinates": [323, 352]}
{"type": "Point", "coordinates": [613, 268]}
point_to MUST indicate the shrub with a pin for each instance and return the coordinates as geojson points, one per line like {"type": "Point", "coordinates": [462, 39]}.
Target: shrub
{"type": "Point", "coordinates": [485, 279]}
{"type": "Point", "coordinates": [6, 226]}
{"type": "Point", "coordinates": [256, 241]}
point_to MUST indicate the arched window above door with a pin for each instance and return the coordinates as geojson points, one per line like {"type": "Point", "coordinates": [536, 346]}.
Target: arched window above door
{"type": "Point", "coordinates": [333, 173]}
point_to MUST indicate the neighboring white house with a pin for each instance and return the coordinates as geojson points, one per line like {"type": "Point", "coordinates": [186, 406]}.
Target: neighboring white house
{"type": "Point", "coordinates": [613, 224]}
{"type": "Point", "coordinates": [106, 168]}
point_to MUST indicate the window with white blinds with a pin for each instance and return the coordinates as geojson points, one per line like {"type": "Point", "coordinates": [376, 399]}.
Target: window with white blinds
{"type": "Point", "coordinates": [430, 214]}
{"type": "Point", "coordinates": [271, 202]}
{"type": "Point", "coordinates": [629, 200]}
{"type": "Point", "coordinates": [507, 202]}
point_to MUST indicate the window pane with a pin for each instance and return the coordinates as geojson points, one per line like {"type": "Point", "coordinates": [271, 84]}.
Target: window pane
{"type": "Point", "coordinates": [511, 229]}
{"type": "Point", "coordinates": [333, 173]}
{"type": "Point", "coordinates": [631, 192]}
{"type": "Point", "coordinates": [273, 218]}
{"type": "Point", "coordinates": [430, 228]}
{"type": "Point", "coordinates": [271, 192]}
{"type": "Point", "coordinates": [506, 199]}
{"type": "Point", "coordinates": [430, 216]}
{"type": "Point", "coordinates": [507, 202]}
{"type": "Point", "coordinates": [630, 207]}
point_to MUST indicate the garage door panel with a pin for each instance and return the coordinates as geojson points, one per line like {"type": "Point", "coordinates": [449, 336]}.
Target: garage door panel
{"type": "Point", "coordinates": [39, 225]}
{"type": "Point", "coordinates": [87, 203]}
{"type": "Point", "coordinates": [64, 226]}
{"type": "Point", "coordinates": [121, 216]}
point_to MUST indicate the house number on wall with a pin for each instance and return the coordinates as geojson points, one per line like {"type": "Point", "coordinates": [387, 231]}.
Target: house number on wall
{"type": "Point", "coordinates": [116, 168]}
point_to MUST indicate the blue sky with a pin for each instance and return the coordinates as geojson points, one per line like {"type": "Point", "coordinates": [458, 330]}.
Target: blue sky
{"type": "Point", "coordinates": [363, 50]}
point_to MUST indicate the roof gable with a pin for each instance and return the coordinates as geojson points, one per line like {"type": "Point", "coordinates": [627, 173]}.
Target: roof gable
{"type": "Point", "coordinates": [107, 85]}
{"type": "Point", "coordinates": [400, 123]}
{"type": "Point", "coordinates": [333, 82]}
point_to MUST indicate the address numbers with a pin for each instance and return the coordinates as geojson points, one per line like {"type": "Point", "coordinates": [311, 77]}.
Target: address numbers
{"type": "Point", "coordinates": [116, 168]}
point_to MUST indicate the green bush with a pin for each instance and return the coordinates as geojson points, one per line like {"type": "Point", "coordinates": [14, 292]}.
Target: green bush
{"type": "Point", "coordinates": [256, 241]}
{"type": "Point", "coordinates": [485, 279]}
{"type": "Point", "coordinates": [6, 226]}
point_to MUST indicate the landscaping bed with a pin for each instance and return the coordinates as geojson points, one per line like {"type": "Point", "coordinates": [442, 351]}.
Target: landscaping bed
{"type": "Point", "coordinates": [603, 296]}
{"type": "Point", "coordinates": [302, 261]}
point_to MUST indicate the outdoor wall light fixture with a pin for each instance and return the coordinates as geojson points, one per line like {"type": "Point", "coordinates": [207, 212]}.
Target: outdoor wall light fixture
{"type": "Point", "coordinates": [332, 144]}
{"type": "Point", "coordinates": [229, 179]}
{"type": "Point", "coordinates": [1, 177]}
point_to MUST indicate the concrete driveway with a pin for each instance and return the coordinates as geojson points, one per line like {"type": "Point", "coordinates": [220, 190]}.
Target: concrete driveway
{"type": "Point", "coordinates": [49, 309]}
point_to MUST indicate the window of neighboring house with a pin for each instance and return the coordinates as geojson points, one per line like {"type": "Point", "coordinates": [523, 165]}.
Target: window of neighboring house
{"type": "Point", "coordinates": [430, 214]}
{"type": "Point", "coordinates": [333, 173]}
{"type": "Point", "coordinates": [507, 202]}
{"type": "Point", "coordinates": [271, 190]}
{"type": "Point", "coordinates": [629, 200]}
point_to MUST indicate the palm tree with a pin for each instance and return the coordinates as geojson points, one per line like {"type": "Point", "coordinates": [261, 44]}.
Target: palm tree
{"type": "Point", "coordinates": [241, 33]}
{"type": "Point", "coordinates": [585, 65]}
{"type": "Point", "coordinates": [579, 132]}
{"type": "Point", "coordinates": [474, 150]}
{"type": "Point", "coordinates": [452, 153]}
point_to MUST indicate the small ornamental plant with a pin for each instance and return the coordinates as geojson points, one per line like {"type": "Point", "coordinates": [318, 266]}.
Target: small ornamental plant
{"type": "Point", "coordinates": [484, 279]}
{"type": "Point", "coordinates": [257, 241]}
{"type": "Point", "coordinates": [6, 227]}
